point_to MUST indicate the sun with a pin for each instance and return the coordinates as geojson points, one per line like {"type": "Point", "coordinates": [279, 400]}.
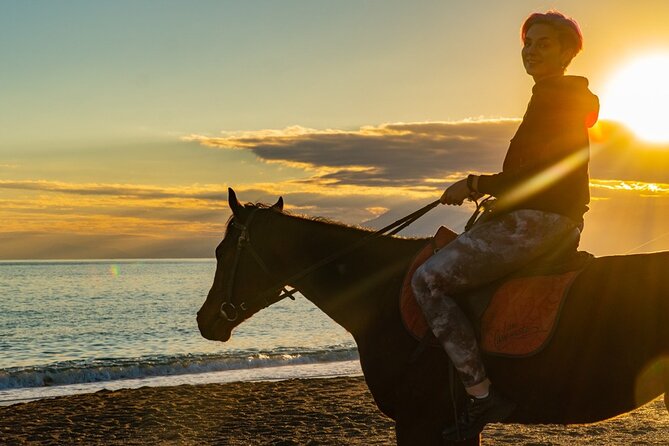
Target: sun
{"type": "Point", "coordinates": [638, 96]}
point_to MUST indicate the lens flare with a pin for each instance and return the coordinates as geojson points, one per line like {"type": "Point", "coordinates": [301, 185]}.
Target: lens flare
{"type": "Point", "coordinates": [544, 178]}
{"type": "Point", "coordinates": [652, 381]}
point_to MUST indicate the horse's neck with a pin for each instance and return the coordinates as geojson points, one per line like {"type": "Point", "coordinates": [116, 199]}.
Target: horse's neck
{"type": "Point", "coordinates": [353, 288]}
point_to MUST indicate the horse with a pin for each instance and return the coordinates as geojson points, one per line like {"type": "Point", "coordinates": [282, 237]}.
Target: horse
{"type": "Point", "coordinates": [608, 354]}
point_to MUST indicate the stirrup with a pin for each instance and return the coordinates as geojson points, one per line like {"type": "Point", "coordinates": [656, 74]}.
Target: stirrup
{"type": "Point", "coordinates": [480, 411]}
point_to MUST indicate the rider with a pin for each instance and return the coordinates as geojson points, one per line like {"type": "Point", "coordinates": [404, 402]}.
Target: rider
{"type": "Point", "coordinates": [541, 196]}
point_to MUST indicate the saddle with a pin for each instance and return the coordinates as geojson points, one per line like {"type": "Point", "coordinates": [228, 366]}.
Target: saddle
{"type": "Point", "coordinates": [513, 317]}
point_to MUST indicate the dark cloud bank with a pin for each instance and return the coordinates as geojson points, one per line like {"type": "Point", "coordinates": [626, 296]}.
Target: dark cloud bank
{"type": "Point", "coordinates": [407, 154]}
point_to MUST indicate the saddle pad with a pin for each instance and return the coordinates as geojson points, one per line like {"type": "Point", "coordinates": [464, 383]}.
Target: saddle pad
{"type": "Point", "coordinates": [523, 313]}
{"type": "Point", "coordinates": [520, 318]}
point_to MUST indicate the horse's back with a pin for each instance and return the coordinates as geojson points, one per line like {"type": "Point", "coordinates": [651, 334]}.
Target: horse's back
{"type": "Point", "coordinates": [614, 324]}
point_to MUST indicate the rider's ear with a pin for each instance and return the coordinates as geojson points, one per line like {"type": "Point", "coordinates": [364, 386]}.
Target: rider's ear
{"type": "Point", "coordinates": [233, 202]}
{"type": "Point", "coordinates": [278, 205]}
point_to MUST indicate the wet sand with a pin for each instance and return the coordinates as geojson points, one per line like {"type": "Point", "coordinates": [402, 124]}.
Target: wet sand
{"type": "Point", "coordinates": [333, 411]}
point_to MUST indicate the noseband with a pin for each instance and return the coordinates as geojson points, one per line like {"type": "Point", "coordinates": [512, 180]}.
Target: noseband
{"type": "Point", "coordinates": [228, 310]}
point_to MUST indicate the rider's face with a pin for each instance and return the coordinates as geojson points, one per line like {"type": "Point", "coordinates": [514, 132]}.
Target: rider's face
{"type": "Point", "coordinates": [542, 52]}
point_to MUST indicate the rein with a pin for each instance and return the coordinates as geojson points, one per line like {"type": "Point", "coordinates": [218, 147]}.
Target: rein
{"type": "Point", "coordinates": [230, 312]}
{"type": "Point", "coordinates": [486, 205]}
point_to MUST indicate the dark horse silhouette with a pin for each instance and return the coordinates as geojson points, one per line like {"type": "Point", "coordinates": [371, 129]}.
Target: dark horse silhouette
{"type": "Point", "coordinates": [605, 357]}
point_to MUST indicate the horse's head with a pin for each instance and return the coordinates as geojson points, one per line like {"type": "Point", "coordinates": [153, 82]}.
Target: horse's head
{"type": "Point", "coordinates": [242, 284]}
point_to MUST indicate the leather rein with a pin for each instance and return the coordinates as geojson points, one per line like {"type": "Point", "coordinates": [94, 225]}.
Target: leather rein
{"type": "Point", "coordinates": [231, 312]}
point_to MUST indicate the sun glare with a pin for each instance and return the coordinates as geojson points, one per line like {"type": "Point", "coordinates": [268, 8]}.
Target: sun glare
{"type": "Point", "coordinates": [638, 97]}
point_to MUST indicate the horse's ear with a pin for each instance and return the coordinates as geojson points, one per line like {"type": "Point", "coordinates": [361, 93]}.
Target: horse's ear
{"type": "Point", "coordinates": [233, 202]}
{"type": "Point", "coordinates": [278, 205]}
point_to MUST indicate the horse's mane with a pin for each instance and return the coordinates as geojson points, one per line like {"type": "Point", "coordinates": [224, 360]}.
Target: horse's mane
{"type": "Point", "coordinates": [317, 219]}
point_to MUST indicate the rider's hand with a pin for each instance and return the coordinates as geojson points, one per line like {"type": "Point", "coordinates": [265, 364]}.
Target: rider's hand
{"type": "Point", "coordinates": [457, 192]}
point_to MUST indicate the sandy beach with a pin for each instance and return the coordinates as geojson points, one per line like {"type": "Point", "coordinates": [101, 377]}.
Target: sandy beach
{"type": "Point", "coordinates": [332, 411]}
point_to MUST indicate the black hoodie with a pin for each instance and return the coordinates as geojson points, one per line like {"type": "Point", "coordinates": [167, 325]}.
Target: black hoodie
{"type": "Point", "coordinates": [546, 165]}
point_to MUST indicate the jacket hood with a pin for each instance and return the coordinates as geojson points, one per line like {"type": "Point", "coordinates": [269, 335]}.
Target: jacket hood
{"type": "Point", "coordinates": [572, 90]}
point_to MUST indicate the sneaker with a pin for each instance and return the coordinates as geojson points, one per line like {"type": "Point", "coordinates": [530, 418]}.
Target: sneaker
{"type": "Point", "coordinates": [479, 412]}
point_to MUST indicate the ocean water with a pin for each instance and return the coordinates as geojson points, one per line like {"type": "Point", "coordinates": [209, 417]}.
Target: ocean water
{"type": "Point", "coordinates": [80, 326]}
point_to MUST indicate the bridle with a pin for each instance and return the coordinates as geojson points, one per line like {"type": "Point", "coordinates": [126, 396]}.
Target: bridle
{"type": "Point", "coordinates": [230, 311]}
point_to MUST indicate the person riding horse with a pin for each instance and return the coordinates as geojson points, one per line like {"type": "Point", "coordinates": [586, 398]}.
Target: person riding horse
{"type": "Point", "coordinates": [541, 195]}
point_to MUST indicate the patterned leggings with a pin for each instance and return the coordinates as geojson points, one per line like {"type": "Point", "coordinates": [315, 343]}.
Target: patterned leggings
{"type": "Point", "coordinates": [487, 252]}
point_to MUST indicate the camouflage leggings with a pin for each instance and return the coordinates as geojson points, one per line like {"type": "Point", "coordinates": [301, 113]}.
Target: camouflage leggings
{"type": "Point", "coordinates": [487, 252]}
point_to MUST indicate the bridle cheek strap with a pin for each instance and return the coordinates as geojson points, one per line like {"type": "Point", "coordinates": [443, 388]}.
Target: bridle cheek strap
{"type": "Point", "coordinates": [228, 310]}
{"type": "Point", "coordinates": [284, 292]}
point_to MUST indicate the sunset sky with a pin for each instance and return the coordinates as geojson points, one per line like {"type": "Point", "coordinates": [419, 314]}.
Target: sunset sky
{"type": "Point", "coordinates": [124, 123]}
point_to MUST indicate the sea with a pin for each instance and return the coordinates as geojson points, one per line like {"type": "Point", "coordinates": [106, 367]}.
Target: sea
{"type": "Point", "coordinates": [69, 327]}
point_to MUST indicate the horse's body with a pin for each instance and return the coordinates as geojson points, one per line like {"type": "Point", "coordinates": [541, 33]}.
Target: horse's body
{"type": "Point", "coordinates": [614, 325]}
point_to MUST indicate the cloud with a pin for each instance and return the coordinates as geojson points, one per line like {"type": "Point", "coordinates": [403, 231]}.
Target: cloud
{"type": "Point", "coordinates": [411, 163]}
{"type": "Point", "coordinates": [637, 188]}
{"type": "Point", "coordinates": [200, 192]}
{"type": "Point", "coordinates": [56, 219]}
{"type": "Point", "coordinates": [63, 210]}
{"type": "Point", "coordinates": [43, 245]}
{"type": "Point", "coordinates": [424, 157]}
{"type": "Point", "coordinates": [404, 154]}
{"type": "Point", "coordinates": [400, 154]}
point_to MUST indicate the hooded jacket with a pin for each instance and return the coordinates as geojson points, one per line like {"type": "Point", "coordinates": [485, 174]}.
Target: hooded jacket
{"type": "Point", "coordinates": [546, 165]}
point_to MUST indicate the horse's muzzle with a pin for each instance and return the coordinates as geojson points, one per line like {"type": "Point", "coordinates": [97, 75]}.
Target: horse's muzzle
{"type": "Point", "coordinates": [214, 329]}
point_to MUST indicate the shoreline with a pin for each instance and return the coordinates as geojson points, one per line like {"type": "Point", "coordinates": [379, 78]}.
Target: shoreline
{"type": "Point", "coordinates": [330, 369]}
{"type": "Point", "coordinates": [310, 411]}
